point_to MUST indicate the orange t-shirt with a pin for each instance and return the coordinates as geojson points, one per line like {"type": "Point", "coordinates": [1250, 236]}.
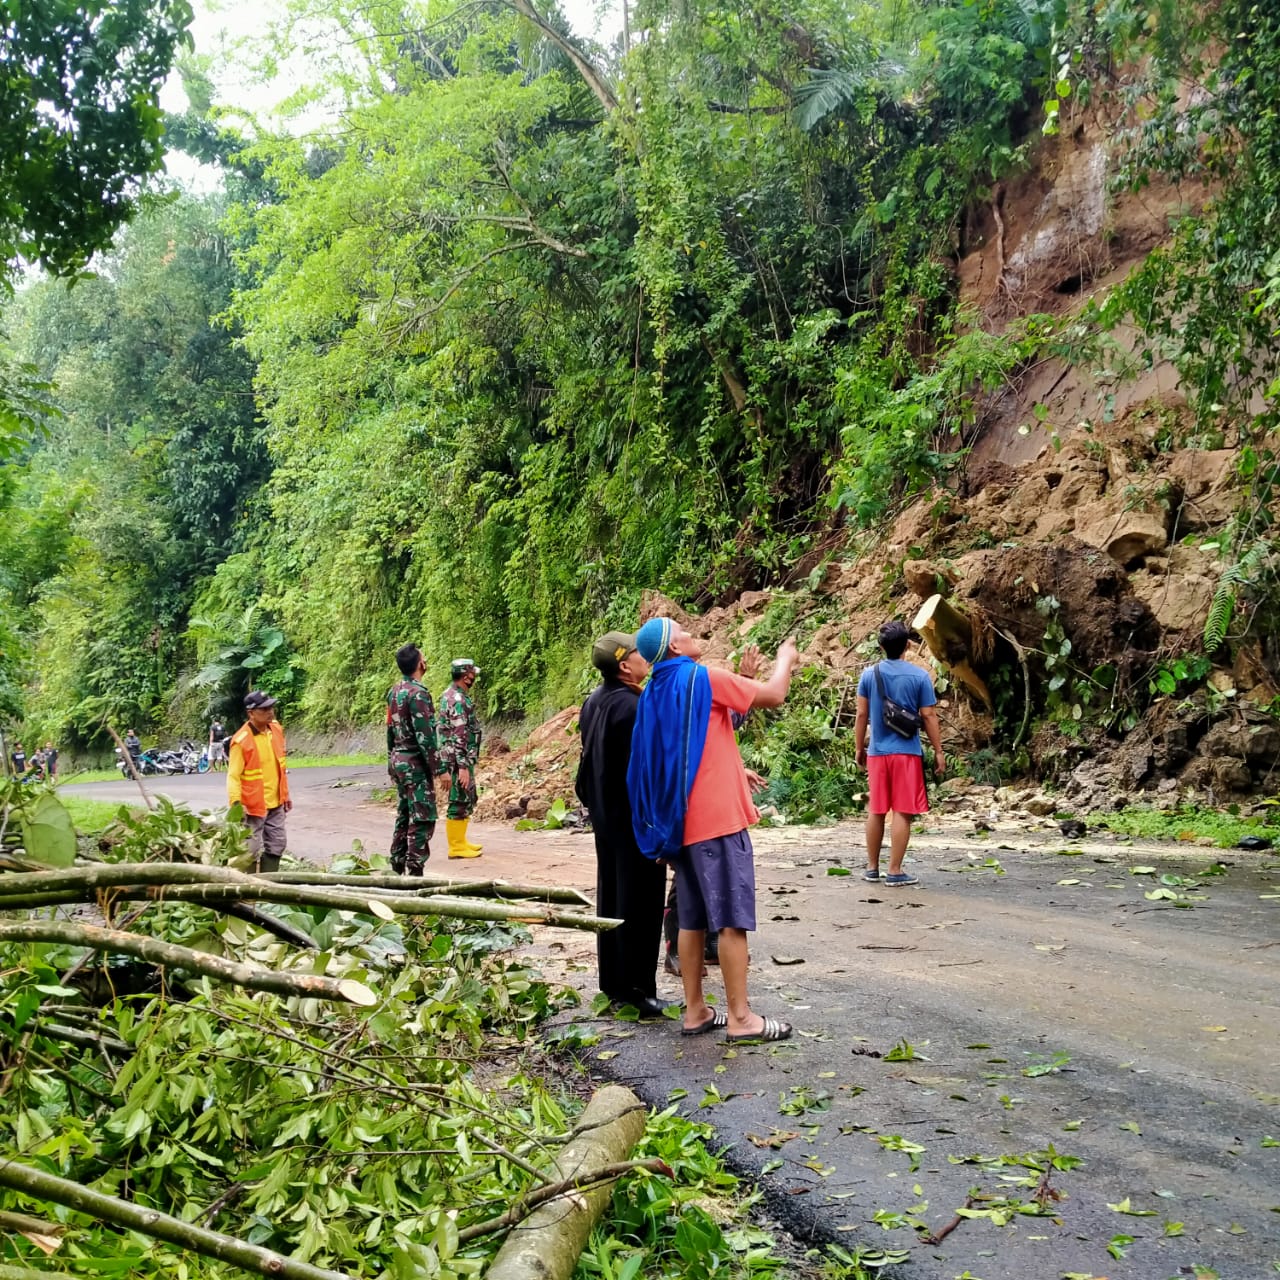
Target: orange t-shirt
{"type": "Point", "coordinates": [720, 800]}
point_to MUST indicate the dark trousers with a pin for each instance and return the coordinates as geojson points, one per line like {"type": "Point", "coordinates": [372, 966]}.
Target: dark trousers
{"type": "Point", "coordinates": [630, 888]}
{"type": "Point", "coordinates": [415, 819]}
{"type": "Point", "coordinates": [671, 932]}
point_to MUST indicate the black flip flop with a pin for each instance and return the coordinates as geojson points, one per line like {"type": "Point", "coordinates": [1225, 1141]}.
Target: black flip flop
{"type": "Point", "coordinates": [773, 1029]}
{"type": "Point", "coordinates": [717, 1022]}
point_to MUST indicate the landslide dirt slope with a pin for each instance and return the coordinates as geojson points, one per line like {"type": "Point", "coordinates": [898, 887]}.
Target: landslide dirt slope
{"type": "Point", "coordinates": [1079, 490]}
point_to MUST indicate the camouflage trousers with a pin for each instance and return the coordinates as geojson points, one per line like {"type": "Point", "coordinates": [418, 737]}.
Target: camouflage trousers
{"type": "Point", "coordinates": [415, 819]}
{"type": "Point", "coordinates": [462, 800]}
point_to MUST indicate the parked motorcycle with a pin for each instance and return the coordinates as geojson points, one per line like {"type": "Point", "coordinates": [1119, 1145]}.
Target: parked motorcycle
{"type": "Point", "coordinates": [144, 762]}
{"type": "Point", "coordinates": [171, 762]}
{"type": "Point", "coordinates": [187, 757]}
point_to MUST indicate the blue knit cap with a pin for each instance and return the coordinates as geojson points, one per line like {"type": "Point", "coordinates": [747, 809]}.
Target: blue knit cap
{"type": "Point", "coordinates": [653, 640]}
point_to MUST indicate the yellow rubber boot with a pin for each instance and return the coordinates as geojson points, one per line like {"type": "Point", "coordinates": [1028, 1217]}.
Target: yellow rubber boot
{"type": "Point", "coordinates": [456, 831]}
{"type": "Point", "coordinates": [471, 844]}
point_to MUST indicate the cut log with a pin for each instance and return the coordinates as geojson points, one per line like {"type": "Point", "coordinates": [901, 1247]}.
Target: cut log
{"type": "Point", "coordinates": [550, 1240]}
{"type": "Point", "coordinates": [951, 638]}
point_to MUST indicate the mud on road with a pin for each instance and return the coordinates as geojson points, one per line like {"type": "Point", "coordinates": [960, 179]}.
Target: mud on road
{"type": "Point", "coordinates": [1049, 995]}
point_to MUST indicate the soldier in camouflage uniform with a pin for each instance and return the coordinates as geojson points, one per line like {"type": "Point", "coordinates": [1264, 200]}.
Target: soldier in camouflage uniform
{"type": "Point", "coordinates": [459, 751]}
{"type": "Point", "coordinates": [413, 762]}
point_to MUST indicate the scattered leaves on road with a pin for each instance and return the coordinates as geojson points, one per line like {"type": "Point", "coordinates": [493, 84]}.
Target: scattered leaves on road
{"type": "Point", "coordinates": [1124, 1206]}
{"type": "Point", "coordinates": [1118, 1244]}
{"type": "Point", "coordinates": [905, 1051]}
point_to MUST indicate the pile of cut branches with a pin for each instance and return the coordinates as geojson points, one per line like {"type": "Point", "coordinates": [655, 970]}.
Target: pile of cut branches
{"type": "Point", "coordinates": [201, 1067]}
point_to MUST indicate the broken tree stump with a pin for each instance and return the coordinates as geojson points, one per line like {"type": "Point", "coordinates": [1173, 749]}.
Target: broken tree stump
{"type": "Point", "coordinates": [956, 642]}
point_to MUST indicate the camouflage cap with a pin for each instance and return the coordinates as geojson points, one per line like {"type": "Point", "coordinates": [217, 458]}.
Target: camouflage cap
{"type": "Point", "coordinates": [461, 665]}
{"type": "Point", "coordinates": [610, 649]}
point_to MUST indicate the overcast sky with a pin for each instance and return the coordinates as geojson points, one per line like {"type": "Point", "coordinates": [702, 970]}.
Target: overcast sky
{"type": "Point", "coordinates": [222, 22]}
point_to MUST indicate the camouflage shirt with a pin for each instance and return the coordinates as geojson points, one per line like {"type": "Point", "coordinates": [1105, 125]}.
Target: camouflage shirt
{"type": "Point", "coordinates": [459, 729]}
{"type": "Point", "coordinates": [411, 727]}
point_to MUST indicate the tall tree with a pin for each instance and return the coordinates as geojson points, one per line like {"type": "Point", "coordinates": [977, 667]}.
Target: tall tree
{"type": "Point", "coordinates": [80, 122]}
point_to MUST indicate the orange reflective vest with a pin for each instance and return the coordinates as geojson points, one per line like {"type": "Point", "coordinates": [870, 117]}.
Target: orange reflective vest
{"type": "Point", "coordinates": [252, 793]}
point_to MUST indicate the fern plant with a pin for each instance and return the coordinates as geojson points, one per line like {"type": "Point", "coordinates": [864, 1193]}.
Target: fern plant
{"type": "Point", "coordinates": [1223, 606]}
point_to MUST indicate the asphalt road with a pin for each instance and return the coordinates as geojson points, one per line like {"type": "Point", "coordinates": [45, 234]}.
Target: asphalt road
{"type": "Point", "coordinates": [1155, 1021]}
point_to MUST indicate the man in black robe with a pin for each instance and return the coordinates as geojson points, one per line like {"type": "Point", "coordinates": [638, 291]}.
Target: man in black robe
{"type": "Point", "coordinates": [629, 886]}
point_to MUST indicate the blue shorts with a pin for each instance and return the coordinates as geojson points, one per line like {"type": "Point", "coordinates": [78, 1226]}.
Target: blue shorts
{"type": "Point", "coordinates": [716, 884]}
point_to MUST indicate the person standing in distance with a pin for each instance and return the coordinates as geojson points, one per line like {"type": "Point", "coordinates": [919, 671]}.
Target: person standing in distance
{"type": "Point", "coordinates": [413, 763]}
{"type": "Point", "coordinates": [217, 754]}
{"type": "Point", "coordinates": [894, 764]}
{"type": "Point", "coordinates": [459, 751]}
{"type": "Point", "coordinates": [629, 886]}
{"type": "Point", "coordinates": [691, 803]}
{"type": "Point", "coordinates": [257, 779]}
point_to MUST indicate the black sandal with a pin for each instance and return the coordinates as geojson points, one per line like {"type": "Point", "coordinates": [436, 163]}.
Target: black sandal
{"type": "Point", "coordinates": [773, 1029]}
{"type": "Point", "coordinates": [717, 1022]}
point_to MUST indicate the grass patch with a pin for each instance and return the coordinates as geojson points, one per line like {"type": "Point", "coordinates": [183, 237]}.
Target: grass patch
{"type": "Point", "coordinates": [320, 762]}
{"type": "Point", "coordinates": [91, 817]}
{"type": "Point", "coordinates": [88, 775]}
{"type": "Point", "coordinates": [295, 762]}
{"type": "Point", "coordinates": [1189, 824]}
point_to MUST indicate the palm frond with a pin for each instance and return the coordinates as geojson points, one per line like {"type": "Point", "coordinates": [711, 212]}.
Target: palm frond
{"type": "Point", "coordinates": [825, 92]}
{"type": "Point", "coordinates": [1223, 605]}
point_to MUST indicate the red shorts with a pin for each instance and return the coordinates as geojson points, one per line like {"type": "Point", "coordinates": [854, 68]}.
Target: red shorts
{"type": "Point", "coordinates": [897, 784]}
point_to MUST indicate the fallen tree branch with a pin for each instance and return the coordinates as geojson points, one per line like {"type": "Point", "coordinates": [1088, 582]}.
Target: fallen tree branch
{"type": "Point", "coordinates": [128, 762]}
{"type": "Point", "coordinates": [10, 1221]}
{"type": "Point", "coordinates": [936, 1237]}
{"type": "Point", "coordinates": [384, 907]}
{"type": "Point", "coordinates": [160, 1226]}
{"type": "Point", "coordinates": [84, 1039]}
{"type": "Point", "coordinates": [268, 923]}
{"type": "Point", "coordinates": [428, 883]}
{"type": "Point", "coordinates": [106, 875]}
{"type": "Point", "coordinates": [607, 1173]}
{"type": "Point", "coordinates": [550, 1240]}
{"type": "Point", "coordinates": [169, 956]}
{"type": "Point", "coordinates": [594, 79]}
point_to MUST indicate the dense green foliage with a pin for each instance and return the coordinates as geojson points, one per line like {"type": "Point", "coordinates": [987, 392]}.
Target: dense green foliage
{"type": "Point", "coordinates": [360, 1139]}
{"type": "Point", "coordinates": [131, 499]}
{"type": "Point", "coordinates": [516, 337]}
{"type": "Point", "coordinates": [80, 122]}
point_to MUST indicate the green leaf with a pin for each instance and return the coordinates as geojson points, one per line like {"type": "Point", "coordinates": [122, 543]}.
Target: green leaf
{"type": "Point", "coordinates": [1125, 1207]}
{"type": "Point", "coordinates": [48, 835]}
{"type": "Point", "coordinates": [1118, 1244]}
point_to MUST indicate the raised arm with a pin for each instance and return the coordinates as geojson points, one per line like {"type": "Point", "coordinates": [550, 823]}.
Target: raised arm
{"type": "Point", "coordinates": [773, 691]}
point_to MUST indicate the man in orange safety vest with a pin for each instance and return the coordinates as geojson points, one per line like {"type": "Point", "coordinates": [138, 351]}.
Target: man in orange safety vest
{"type": "Point", "coordinates": [258, 780]}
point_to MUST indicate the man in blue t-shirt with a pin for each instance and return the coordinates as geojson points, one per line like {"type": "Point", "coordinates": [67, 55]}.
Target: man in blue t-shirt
{"type": "Point", "coordinates": [894, 763]}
